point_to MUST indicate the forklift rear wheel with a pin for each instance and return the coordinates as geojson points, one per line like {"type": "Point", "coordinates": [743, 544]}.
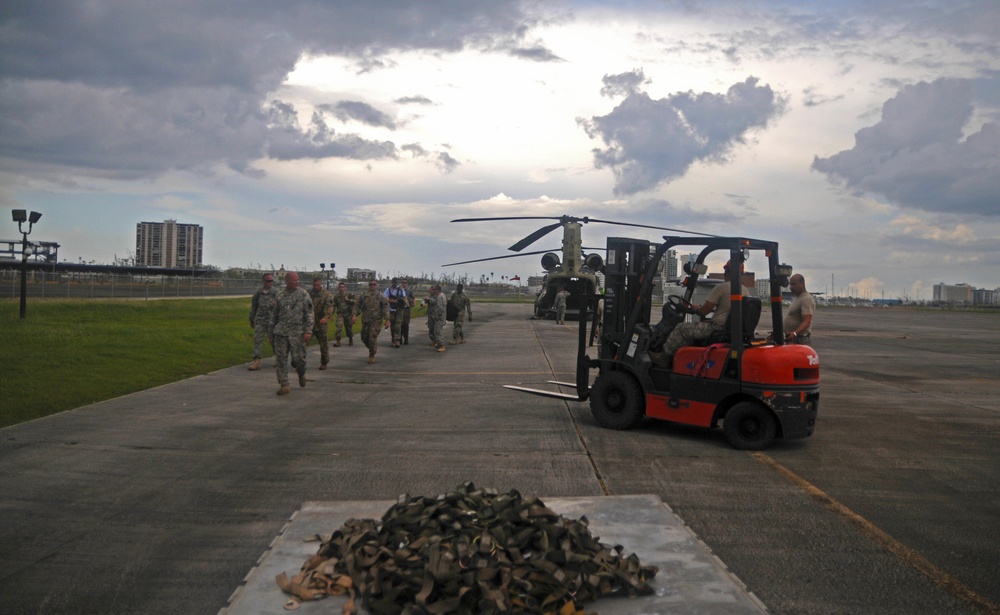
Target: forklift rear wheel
{"type": "Point", "coordinates": [749, 426]}
{"type": "Point", "coordinates": [616, 400]}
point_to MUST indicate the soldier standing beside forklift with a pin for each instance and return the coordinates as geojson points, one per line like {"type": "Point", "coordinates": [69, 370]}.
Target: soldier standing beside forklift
{"type": "Point", "coordinates": [798, 320]}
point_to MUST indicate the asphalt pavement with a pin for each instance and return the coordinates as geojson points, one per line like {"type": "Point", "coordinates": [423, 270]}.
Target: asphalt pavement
{"type": "Point", "coordinates": [162, 501]}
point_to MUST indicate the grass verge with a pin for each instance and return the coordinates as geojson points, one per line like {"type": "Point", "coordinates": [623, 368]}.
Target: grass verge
{"type": "Point", "coordinates": [66, 354]}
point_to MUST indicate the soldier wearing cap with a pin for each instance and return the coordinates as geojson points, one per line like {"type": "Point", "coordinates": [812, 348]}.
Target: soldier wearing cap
{"type": "Point", "coordinates": [374, 310]}
{"type": "Point", "coordinates": [686, 333]}
{"type": "Point", "coordinates": [343, 301]}
{"type": "Point", "coordinates": [322, 313]}
{"type": "Point", "coordinates": [260, 315]}
{"type": "Point", "coordinates": [290, 330]}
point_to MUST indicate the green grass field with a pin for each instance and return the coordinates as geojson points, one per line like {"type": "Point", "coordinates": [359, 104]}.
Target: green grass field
{"type": "Point", "coordinates": [66, 354]}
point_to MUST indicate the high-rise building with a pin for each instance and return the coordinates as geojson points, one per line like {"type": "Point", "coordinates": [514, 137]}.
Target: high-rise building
{"type": "Point", "coordinates": [168, 244]}
{"type": "Point", "coordinates": [953, 293]}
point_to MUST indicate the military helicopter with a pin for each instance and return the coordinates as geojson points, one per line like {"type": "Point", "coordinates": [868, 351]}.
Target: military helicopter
{"type": "Point", "coordinates": [574, 272]}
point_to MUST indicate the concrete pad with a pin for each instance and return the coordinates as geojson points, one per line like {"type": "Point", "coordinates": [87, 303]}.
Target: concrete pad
{"type": "Point", "coordinates": [690, 578]}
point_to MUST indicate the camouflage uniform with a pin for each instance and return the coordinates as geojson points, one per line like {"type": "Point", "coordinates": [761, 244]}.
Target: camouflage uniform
{"type": "Point", "coordinates": [322, 301]}
{"type": "Point", "coordinates": [260, 317]}
{"type": "Point", "coordinates": [560, 306]}
{"type": "Point", "coordinates": [436, 315]}
{"type": "Point", "coordinates": [396, 298]}
{"type": "Point", "coordinates": [374, 310]}
{"type": "Point", "coordinates": [686, 333]}
{"type": "Point", "coordinates": [344, 304]}
{"type": "Point", "coordinates": [463, 304]}
{"type": "Point", "coordinates": [404, 328]}
{"type": "Point", "coordinates": [291, 320]}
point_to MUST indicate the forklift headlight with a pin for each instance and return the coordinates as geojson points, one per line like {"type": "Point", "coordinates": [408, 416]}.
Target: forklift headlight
{"type": "Point", "coordinates": [783, 270]}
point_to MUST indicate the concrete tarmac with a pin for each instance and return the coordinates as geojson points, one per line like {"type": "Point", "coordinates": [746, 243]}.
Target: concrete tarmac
{"type": "Point", "coordinates": [162, 501]}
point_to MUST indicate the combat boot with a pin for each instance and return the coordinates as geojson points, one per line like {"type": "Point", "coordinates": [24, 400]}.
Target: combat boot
{"type": "Point", "coordinates": [302, 378]}
{"type": "Point", "coordinates": [441, 348]}
{"type": "Point", "coordinates": [350, 341]}
{"type": "Point", "coordinates": [254, 366]}
{"type": "Point", "coordinates": [322, 367]}
{"type": "Point", "coordinates": [371, 358]}
{"type": "Point", "coordinates": [284, 390]}
{"type": "Point", "coordinates": [337, 344]}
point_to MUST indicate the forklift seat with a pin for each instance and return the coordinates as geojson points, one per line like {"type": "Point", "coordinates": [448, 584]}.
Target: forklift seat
{"type": "Point", "coordinates": [751, 307]}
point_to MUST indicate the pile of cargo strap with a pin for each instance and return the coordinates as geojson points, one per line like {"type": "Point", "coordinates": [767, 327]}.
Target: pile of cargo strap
{"type": "Point", "coordinates": [468, 551]}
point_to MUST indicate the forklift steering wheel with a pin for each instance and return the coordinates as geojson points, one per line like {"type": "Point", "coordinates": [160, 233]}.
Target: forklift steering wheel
{"type": "Point", "coordinates": [680, 305]}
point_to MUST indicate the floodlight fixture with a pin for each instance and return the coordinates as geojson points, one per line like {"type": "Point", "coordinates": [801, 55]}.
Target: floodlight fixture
{"type": "Point", "coordinates": [21, 216]}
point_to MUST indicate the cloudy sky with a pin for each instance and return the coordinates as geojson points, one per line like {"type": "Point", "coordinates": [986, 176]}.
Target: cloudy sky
{"type": "Point", "coordinates": [862, 135]}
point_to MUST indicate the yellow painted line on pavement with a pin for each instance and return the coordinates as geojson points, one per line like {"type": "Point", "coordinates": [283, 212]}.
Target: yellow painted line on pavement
{"type": "Point", "coordinates": [939, 577]}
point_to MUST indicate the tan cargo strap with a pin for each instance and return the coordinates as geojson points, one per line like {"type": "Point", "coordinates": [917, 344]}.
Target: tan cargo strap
{"type": "Point", "coordinates": [470, 551]}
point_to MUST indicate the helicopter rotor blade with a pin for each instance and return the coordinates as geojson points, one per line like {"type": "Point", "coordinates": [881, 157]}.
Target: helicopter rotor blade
{"type": "Point", "coordinates": [507, 218]}
{"type": "Point", "coordinates": [495, 258]}
{"type": "Point", "coordinates": [532, 238]}
{"type": "Point", "coordinates": [660, 228]}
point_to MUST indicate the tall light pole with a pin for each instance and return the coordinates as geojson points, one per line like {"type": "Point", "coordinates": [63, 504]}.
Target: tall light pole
{"type": "Point", "coordinates": [21, 216]}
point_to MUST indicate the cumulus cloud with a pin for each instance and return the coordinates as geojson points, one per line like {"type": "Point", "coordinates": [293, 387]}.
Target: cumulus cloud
{"type": "Point", "coordinates": [650, 142]}
{"type": "Point", "coordinates": [623, 84]}
{"type": "Point", "coordinates": [919, 156]}
{"type": "Point", "coordinates": [125, 89]}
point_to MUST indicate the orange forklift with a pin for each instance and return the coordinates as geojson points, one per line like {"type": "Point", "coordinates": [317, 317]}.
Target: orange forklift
{"type": "Point", "coordinates": [759, 389]}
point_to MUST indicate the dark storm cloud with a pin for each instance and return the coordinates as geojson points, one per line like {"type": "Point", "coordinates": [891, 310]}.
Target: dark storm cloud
{"type": "Point", "coordinates": [919, 155]}
{"type": "Point", "coordinates": [126, 88]}
{"type": "Point", "coordinates": [655, 141]}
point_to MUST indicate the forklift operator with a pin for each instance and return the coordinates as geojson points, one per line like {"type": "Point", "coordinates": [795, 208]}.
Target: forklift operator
{"type": "Point", "coordinates": [686, 333]}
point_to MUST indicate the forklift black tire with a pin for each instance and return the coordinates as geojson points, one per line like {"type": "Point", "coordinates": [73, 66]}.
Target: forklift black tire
{"type": "Point", "coordinates": [749, 426]}
{"type": "Point", "coordinates": [617, 401]}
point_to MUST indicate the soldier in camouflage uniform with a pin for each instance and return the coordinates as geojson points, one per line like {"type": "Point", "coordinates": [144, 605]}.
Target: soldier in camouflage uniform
{"type": "Point", "coordinates": [437, 313]}
{"type": "Point", "coordinates": [463, 304]}
{"type": "Point", "coordinates": [404, 328]}
{"type": "Point", "coordinates": [374, 310]}
{"type": "Point", "coordinates": [260, 317]}
{"type": "Point", "coordinates": [344, 301]}
{"type": "Point", "coordinates": [322, 313]}
{"type": "Point", "coordinates": [560, 306]}
{"type": "Point", "coordinates": [290, 330]}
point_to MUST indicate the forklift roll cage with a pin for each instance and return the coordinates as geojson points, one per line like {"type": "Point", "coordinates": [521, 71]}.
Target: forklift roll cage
{"type": "Point", "coordinates": [781, 381]}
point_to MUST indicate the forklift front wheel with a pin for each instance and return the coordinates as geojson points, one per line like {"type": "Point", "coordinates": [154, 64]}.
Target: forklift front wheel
{"type": "Point", "coordinates": [749, 426]}
{"type": "Point", "coordinates": [616, 400]}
